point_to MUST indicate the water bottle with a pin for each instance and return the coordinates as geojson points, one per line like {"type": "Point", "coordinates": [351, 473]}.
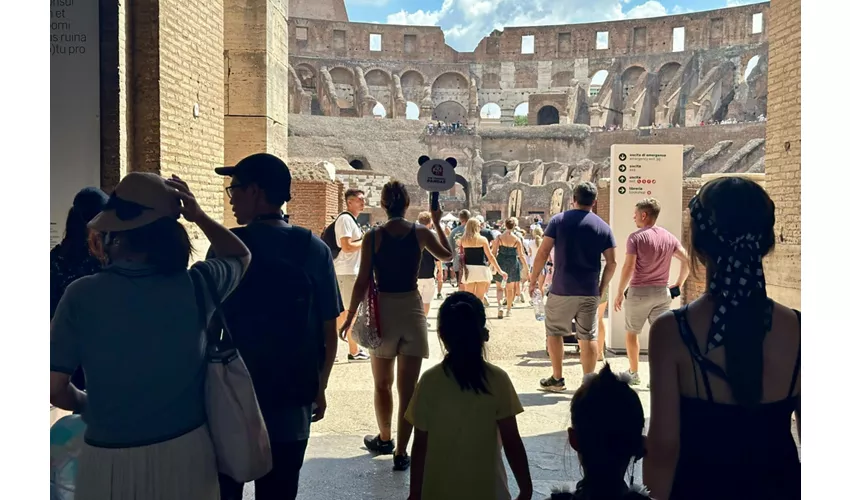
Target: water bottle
{"type": "Point", "coordinates": [539, 308]}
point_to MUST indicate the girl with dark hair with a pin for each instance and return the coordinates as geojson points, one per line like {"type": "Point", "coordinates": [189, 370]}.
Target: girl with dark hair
{"type": "Point", "coordinates": [607, 433]}
{"type": "Point", "coordinates": [71, 259]}
{"type": "Point", "coordinates": [393, 251]}
{"type": "Point", "coordinates": [464, 410]}
{"type": "Point", "coordinates": [138, 329]}
{"type": "Point", "coordinates": [725, 368]}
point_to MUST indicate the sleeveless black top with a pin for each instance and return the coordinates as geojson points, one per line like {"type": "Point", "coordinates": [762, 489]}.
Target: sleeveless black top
{"type": "Point", "coordinates": [474, 256]}
{"type": "Point", "coordinates": [729, 451]}
{"type": "Point", "coordinates": [397, 262]}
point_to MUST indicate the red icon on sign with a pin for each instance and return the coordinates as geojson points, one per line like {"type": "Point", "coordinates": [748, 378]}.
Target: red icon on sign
{"type": "Point", "coordinates": [653, 181]}
{"type": "Point", "coordinates": [649, 193]}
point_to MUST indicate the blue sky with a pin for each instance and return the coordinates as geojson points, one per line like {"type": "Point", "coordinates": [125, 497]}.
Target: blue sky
{"type": "Point", "coordinates": [465, 22]}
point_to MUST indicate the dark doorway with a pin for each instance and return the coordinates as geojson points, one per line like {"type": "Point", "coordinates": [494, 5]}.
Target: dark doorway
{"type": "Point", "coordinates": [548, 115]}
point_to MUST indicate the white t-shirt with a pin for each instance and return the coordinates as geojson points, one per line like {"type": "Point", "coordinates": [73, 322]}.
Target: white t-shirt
{"type": "Point", "coordinates": [347, 263]}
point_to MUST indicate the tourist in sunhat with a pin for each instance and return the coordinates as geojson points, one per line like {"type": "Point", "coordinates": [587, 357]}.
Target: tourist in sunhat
{"type": "Point", "coordinates": [137, 331]}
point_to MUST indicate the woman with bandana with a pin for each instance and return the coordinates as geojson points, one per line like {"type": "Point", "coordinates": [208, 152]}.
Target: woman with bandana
{"type": "Point", "coordinates": [725, 368]}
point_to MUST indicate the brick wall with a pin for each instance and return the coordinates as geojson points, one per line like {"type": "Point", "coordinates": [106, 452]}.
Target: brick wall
{"type": "Point", "coordinates": [191, 42]}
{"type": "Point", "coordinates": [313, 205]}
{"type": "Point", "coordinates": [782, 157]}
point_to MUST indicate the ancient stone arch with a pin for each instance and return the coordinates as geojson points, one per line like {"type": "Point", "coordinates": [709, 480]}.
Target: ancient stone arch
{"type": "Point", "coordinates": [450, 86]}
{"type": "Point", "coordinates": [548, 115]}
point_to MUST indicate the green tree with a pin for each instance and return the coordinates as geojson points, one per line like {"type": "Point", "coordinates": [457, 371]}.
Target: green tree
{"type": "Point", "coordinates": [521, 121]}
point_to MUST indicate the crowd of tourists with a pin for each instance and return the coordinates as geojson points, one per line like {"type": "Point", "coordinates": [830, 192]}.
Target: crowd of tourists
{"type": "Point", "coordinates": [449, 128]}
{"type": "Point", "coordinates": [132, 324]}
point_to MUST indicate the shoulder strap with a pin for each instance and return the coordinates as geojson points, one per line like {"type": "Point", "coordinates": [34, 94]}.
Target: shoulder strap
{"type": "Point", "coordinates": [799, 358]}
{"type": "Point", "coordinates": [690, 341]}
{"type": "Point", "coordinates": [196, 277]}
{"type": "Point", "coordinates": [225, 334]}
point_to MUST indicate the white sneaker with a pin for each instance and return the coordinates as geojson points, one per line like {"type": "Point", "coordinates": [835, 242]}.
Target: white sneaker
{"type": "Point", "coordinates": [508, 313]}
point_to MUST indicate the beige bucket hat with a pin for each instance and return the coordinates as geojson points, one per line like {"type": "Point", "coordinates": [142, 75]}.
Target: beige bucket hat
{"type": "Point", "coordinates": [139, 199]}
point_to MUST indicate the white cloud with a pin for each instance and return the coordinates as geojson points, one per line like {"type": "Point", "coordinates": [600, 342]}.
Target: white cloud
{"type": "Point", "coordinates": [466, 22]}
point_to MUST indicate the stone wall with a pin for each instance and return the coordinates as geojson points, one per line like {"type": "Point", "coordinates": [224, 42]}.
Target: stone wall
{"type": "Point", "coordinates": [370, 182]}
{"type": "Point", "coordinates": [782, 160]}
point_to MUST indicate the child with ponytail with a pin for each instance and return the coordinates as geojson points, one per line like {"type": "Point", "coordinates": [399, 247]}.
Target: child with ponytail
{"type": "Point", "coordinates": [463, 411]}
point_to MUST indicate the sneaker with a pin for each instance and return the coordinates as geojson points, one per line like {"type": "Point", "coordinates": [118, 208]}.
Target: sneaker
{"type": "Point", "coordinates": [634, 378]}
{"type": "Point", "coordinates": [553, 385]}
{"type": "Point", "coordinates": [501, 313]}
{"type": "Point", "coordinates": [360, 356]}
{"type": "Point", "coordinates": [522, 298]}
{"type": "Point", "coordinates": [486, 302]}
{"type": "Point", "coordinates": [508, 313]}
{"type": "Point", "coordinates": [439, 296]}
{"type": "Point", "coordinates": [376, 445]}
{"type": "Point", "coordinates": [401, 462]}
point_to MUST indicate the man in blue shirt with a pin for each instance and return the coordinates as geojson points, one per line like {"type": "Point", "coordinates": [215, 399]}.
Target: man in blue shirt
{"type": "Point", "coordinates": [580, 239]}
{"type": "Point", "coordinates": [288, 341]}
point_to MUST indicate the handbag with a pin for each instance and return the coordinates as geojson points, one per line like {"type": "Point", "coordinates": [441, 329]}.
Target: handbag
{"type": "Point", "coordinates": [236, 425]}
{"type": "Point", "coordinates": [367, 326]}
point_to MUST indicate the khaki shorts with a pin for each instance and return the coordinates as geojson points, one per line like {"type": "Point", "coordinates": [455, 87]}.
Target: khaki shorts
{"type": "Point", "coordinates": [645, 303]}
{"type": "Point", "coordinates": [427, 286]}
{"type": "Point", "coordinates": [404, 329]}
{"type": "Point", "coordinates": [346, 288]}
{"type": "Point", "coordinates": [561, 311]}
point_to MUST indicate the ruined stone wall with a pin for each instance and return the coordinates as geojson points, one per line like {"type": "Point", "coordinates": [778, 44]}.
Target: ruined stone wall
{"type": "Point", "coordinates": [506, 77]}
{"type": "Point", "coordinates": [370, 182]}
{"type": "Point", "coordinates": [330, 10]}
{"type": "Point", "coordinates": [782, 160]}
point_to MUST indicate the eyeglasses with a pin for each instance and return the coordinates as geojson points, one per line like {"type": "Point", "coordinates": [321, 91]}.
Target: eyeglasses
{"type": "Point", "coordinates": [229, 189]}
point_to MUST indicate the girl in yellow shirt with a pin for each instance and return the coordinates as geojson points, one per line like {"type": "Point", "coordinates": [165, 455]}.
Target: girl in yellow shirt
{"type": "Point", "coordinates": [463, 411]}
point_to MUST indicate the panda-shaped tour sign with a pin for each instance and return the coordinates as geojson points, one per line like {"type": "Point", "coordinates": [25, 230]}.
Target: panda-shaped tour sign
{"type": "Point", "coordinates": [435, 176]}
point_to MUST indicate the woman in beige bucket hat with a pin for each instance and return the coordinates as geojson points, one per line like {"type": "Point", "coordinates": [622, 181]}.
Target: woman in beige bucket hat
{"type": "Point", "coordinates": [137, 330]}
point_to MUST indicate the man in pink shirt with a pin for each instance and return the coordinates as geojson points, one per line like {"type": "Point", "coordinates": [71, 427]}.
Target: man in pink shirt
{"type": "Point", "coordinates": [649, 252]}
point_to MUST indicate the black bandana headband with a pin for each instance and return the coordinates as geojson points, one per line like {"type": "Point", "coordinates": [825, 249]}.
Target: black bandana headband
{"type": "Point", "coordinates": [737, 273]}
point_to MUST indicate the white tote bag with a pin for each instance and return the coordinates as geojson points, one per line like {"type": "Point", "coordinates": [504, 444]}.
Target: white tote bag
{"type": "Point", "coordinates": [236, 424]}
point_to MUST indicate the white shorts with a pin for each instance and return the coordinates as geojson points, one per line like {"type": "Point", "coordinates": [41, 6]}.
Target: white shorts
{"type": "Point", "coordinates": [426, 289]}
{"type": "Point", "coordinates": [478, 274]}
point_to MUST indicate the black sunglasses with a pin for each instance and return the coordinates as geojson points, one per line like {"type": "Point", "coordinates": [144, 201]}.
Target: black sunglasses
{"type": "Point", "coordinates": [229, 189]}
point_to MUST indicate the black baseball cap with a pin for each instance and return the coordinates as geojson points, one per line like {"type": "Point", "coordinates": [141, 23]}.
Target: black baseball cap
{"type": "Point", "coordinates": [269, 172]}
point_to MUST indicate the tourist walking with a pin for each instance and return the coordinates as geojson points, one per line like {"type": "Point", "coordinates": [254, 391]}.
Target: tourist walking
{"type": "Point", "coordinates": [394, 252]}
{"type": "Point", "coordinates": [137, 331]}
{"type": "Point", "coordinates": [646, 274]}
{"type": "Point", "coordinates": [72, 258]}
{"type": "Point", "coordinates": [268, 322]}
{"type": "Point", "coordinates": [475, 249]}
{"type": "Point", "coordinates": [349, 239]}
{"type": "Point", "coordinates": [579, 239]}
{"type": "Point", "coordinates": [606, 432]}
{"type": "Point", "coordinates": [725, 368]}
{"type": "Point", "coordinates": [454, 240]}
{"type": "Point", "coordinates": [511, 258]}
{"type": "Point", "coordinates": [428, 266]}
{"type": "Point", "coordinates": [464, 411]}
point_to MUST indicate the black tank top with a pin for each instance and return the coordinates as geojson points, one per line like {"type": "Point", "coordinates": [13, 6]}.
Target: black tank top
{"type": "Point", "coordinates": [474, 256]}
{"type": "Point", "coordinates": [427, 265]}
{"type": "Point", "coordinates": [731, 452]}
{"type": "Point", "coordinates": [397, 262]}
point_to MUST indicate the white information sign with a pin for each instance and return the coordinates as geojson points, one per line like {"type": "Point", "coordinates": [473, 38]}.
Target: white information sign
{"type": "Point", "coordinates": [74, 105]}
{"type": "Point", "coordinates": [641, 171]}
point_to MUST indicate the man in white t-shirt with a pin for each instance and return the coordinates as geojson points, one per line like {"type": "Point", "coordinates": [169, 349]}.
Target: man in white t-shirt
{"type": "Point", "coordinates": [349, 238]}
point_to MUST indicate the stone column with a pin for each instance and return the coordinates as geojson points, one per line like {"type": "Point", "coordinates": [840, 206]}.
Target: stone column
{"type": "Point", "coordinates": [256, 79]}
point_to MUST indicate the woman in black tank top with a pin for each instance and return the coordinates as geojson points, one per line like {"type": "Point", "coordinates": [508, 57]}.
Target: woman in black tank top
{"type": "Point", "coordinates": [394, 251]}
{"type": "Point", "coordinates": [726, 368]}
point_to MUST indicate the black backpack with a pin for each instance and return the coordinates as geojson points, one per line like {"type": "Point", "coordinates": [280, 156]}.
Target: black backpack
{"type": "Point", "coordinates": [329, 235]}
{"type": "Point", "coordinates": [273, 320]}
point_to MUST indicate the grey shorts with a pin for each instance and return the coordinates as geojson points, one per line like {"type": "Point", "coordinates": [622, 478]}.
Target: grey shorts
{"type": "Point", "coordinates": [346, 288]}
{"type": "Point", "coordinates": [561, 311]}
{"type": "Point", "coordinates": [645, 303]}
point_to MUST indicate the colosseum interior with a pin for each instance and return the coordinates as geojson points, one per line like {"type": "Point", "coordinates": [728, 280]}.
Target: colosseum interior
{"type": "Point", "coordinates": [536, 108]}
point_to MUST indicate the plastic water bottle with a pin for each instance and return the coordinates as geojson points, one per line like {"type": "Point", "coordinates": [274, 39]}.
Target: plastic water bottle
{"type": "Point", "coordinates": [539, 308]}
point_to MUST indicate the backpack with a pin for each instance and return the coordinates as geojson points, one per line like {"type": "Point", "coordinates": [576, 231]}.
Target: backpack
{"type": "Point", "coordinates": [329, 235]}
{"type": "Point", "coordinates": [273, 320]}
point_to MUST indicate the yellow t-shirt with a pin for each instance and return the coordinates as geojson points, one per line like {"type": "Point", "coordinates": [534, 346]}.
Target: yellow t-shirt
{"type": "Point", "coordinates": [464, 457]}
